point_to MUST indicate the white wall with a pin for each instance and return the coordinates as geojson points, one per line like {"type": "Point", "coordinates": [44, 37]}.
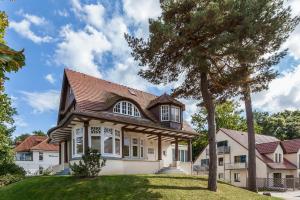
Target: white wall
{"type": "Point", "coordinates": [32, 167]}
{"type": "Point", "coordinates": [235, 150]}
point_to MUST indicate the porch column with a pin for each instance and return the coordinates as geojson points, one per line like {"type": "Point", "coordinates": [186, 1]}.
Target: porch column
{"type": "Point", "coordinates": [86, 136]}
{"type": "Point", "coordinates": [59, 155]}
{"type": "Point", "coordinates": [176, 149]}
{"type": "Point", "coordinates": [122, 148]}
{"type": "Point", "coordinates": [66, 152]}
{"type": "Point", "coordinates": [189, 158]}
{"type": "Point", "coordinates": [159, 146]}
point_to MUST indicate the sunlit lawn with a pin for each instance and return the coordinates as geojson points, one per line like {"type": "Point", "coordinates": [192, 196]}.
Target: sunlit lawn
{"type": "Point", "coordinates": [122, 187]}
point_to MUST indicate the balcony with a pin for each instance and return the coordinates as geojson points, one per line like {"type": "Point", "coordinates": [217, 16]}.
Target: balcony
{"type": "Point", "coordinates": [200, 168]}
{"type": "Point", "coordinates": [236, 166]}
{"type": "Point", "coordinates": [223, 150]}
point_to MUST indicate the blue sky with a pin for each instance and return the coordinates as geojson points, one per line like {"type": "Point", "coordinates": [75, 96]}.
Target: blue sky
{"type": "Point", "coordinates": [88, 36]}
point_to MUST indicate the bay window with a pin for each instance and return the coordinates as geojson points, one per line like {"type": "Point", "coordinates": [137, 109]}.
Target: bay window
{"type": "Point", "coordinates": [175, 114]}
{"type": "Point", "coordinates": [108, 140]}
{"type": "Point", "coordinates": [78, 141]}
{"type": "Point", "coordinates": [164, 113]}
{"type": "Point", "coordinates": [170, 113]}
{"type": "Point", "coordinates": [96, 138]}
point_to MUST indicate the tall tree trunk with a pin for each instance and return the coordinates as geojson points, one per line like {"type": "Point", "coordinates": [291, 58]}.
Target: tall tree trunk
{"type": "Point", "coordinates": [210, 107]}
{"type": "Point", "coordinates": [251, 140]}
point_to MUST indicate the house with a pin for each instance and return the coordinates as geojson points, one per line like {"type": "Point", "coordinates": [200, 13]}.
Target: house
{"type": "Point", "coordinates": [275, 159]}
{"type": "Point", "coordinates": [35, 154]}
{"type": "Point", "coordinates": [137, 132]}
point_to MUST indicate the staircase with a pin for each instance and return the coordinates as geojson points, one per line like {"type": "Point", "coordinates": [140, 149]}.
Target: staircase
{"type": "Point", "coordinates": [169, 170]}
{"type": "Point", "coordinates": [63, 172]}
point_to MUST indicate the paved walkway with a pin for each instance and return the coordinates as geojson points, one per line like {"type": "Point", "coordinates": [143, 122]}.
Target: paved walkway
{"type": "Point", "coordinates": [289, 195]}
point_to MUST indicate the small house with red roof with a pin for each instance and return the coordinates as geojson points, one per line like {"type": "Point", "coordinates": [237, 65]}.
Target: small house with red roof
{"type": "Point", "coordinates": [35, 154]}
{"type": "Point", "coordinates": [275, 159]}
{"type": "Point", "coordinates": [137, 132]}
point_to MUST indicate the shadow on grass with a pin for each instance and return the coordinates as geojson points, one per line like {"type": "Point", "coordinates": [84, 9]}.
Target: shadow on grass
{"type": "Point", "coordinates": [178, 177]}
{"type": "Point", "coordinates": [104, 187]}
{"type": "Point", "coordinates": [175, 187]}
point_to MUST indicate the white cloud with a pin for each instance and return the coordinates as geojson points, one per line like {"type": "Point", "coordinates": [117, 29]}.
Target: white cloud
{"type": "Point", "coordinates": [42, 101]}
{"type": "Point", "coordinates": [81, 50]}
{"type": "Point", "coordinates": [50, 78]}
{"type": "Point", "coordinates": [142, 10]}
{"type": "Point", "coordinates": [62, 13]}
{"type": "Point", "coordinates": [23, 28]}
{"type": "Point", "coordinates": [283, 93]}
{"type": "Point", "coordinates": [20, 122]}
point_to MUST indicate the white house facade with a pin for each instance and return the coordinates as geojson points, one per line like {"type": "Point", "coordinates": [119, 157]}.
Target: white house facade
{"type": "Point", "coordinates": [272, 159]}
{"type": "Point", "coordinates": [36, 155]}
{"type": "Point", "coordinates": [135, 131]}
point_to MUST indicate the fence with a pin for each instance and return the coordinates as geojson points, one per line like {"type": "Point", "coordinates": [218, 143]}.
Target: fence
{"type": "Point", "coordinates": [278, 184]}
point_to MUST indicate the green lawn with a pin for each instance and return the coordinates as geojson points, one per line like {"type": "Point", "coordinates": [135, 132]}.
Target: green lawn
{"type": "Point", "coordinates": [122, 187]}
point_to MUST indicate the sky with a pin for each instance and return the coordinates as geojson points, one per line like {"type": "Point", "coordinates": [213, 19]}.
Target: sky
{"type": "Point", "coordinates": [88, 36]}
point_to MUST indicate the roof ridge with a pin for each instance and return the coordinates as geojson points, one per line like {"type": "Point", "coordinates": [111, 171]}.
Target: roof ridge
{"type": "Point", "coordinates": [67, 69]}
{"type": "Point", "coordinates": [247, 133]}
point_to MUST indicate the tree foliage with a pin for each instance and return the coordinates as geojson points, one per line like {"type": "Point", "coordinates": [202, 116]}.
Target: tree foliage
{"type": "Point", "coordinates": [284, 125]}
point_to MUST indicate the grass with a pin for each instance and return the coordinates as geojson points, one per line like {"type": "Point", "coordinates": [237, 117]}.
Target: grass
{"type": "Point", "coordinates": [122, 187]}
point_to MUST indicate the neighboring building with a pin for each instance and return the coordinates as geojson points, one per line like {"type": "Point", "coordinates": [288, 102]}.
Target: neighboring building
{"type": "Point", "coordinates": [35, 154]}
{"type": "Point", "coordinates": [274, 159]}
{"type": "Point", "coordinates": [137, 132]}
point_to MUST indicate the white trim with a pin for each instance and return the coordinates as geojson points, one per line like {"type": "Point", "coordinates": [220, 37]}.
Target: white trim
{"type": "Point", "coordinates": [118, 108]}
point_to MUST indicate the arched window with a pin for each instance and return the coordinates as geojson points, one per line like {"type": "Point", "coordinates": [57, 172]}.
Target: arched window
{"type": "Point", "coordinates": [126, 108]}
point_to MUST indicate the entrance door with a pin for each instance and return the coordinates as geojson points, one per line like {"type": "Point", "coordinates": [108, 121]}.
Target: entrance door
{"type": "Point", "coordinates": [289, 181]}
{"type": "Point", "coordinates": [277, 180]}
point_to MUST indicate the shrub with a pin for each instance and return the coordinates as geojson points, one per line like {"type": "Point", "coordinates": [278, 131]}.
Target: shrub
{"type": "Point", "coordinates": [90, 165]}
{"type": "Point", "coordinates": [9, 178]}
{"type": "Point", "coordinates": [11, 168]}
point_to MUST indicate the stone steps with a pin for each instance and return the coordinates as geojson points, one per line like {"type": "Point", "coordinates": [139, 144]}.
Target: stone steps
{"type": "Point", "coordinates": [63, 172]}
{"type": "Point", "coordinates": [169, 170]}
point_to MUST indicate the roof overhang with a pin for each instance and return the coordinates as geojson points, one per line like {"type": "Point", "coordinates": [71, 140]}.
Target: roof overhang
{"type": "Point", "coordinates": [63, 130]}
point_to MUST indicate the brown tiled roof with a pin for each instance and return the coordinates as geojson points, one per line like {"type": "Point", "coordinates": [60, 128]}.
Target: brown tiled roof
{"type": "Point", "coordinates": [165, 99]}
{"type": "Point", "coordinates": [285, 165]}
{"type": "Point", "coordinates": [35, 142]}
{"type": "Point", "coordinates": [93, 95]}
{"type": "Point", "coordinates": [265, 148]}
{"type": "Point", "coordinates": [291, 146]}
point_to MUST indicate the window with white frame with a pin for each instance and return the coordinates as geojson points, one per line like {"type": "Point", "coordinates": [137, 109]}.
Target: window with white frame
{"type": "Point", "coordinates": [175, 114]}
{"type": "Point", "coordinates": [41, 156]}
{"type": "Point", "coordinates": [78, 141]}
{"type": "Point", "coordinates": [164, 113]}
{"type": "Point", "coordinates": [108, 140]}
{"type": "Point", "coordinates": [237, 177]}
{"type": "Point", "coordinates": [117, 142]}
{"type": "Point", "coordinates": [126, 108]}
{"type": "Point", "coordinates": [24, 156]}
{"type": "Point", "coordinates": [126, 147]}
{"type": "Point", "coordinates": [96, 138]}
{"type": "Point", "coordinates": [135, 145]}
{"type": "Point", "coordinates": [141, 148]}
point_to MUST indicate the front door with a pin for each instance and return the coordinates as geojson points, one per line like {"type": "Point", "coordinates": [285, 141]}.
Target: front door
{"type": "Point", "coordinates": [277, 180]}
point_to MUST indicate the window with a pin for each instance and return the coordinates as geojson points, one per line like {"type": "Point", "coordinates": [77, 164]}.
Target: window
{"type": "Point", "coordinates": [41, 156]}
{"type": "Point", "coordinates": [117, 142]}
{"type": "Point", "coordinates": [126, 147]}
{"type": "Point", "coordinates": [135, 147]}
{"type": "Point", "coordinates": [222, 143]}
{"type": "Point", "coordinates": [164, 153]}
{"type": "Point", "coordinates": [96, 138]}
{"type": "Point", "coordinates": [150, 150]}
{"type": "Point", "coordinates": [279, 158]}
{"type": "Point", "coordinates": [276, 157]}
{"type": "Point", "coordinates": [240, 159]}
{"type": "Point", "coordinates": [164, 113]}
{"type": "Point", "coordinates": [41, 169]}
{"type": "Point", "coordinates": [237, 177]}
{"type": "Point", "coordinates": [221, 161]}
{"type": "Point", "coordinates": [182, 155]}
{"type": "Point", "coordinates": [78, 141]}
{"type": "Point", "coordinates": [108, 140]}
{"type": "Point", "coordinates": [175, 114]}
{"type": "Point", "coordinates": [142, 148]}
{"type": "Point", "coordinates": [126, 108]}
{"type": "Point", "coordinates": [204, 162]}
{"type": "Point", "coordinates": [221, 176]}
{"type": "Point", "coordinates": [24, 156]}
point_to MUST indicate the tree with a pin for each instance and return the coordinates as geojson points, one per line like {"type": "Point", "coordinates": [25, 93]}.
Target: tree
{"type": "Point", "coordinates": [193, 39]}
{"type": "Point", "coordinates": [284, 125]}
{"type": "Point", "coordinates": [266, 25]}
{"type": "Point", "coordinates": [10, 61]}
{"type": "Point", "coordinates": [39, 133]}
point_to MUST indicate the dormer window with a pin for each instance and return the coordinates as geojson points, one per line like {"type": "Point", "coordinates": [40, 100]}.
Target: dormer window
{"type": "Point", "coordinates": [126, 108]}
{"type": "Point", "coordinates": [170, 113]}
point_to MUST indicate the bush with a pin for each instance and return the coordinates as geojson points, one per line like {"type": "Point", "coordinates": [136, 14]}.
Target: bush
{"type": "Point", "coordinates": [91, 165]}
{"type": "Point", "coordinates": [11, 168]}
{"type": "Point", "coordinates": [8, 179]}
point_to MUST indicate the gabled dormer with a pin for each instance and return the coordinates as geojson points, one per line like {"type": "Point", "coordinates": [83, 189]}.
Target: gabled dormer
{"type": "Point", "coordinates": [168, 111]}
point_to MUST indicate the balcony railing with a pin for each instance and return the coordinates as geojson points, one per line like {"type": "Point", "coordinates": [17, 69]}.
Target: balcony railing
{"type": "Point", "coordinates": [223, 150]}
{"type": "Point", "coordinates": [220, 150]}
{"type": "Point", "coordinates": [200, 168]}
{"type": "Point", "coordinates": [236, 166]}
